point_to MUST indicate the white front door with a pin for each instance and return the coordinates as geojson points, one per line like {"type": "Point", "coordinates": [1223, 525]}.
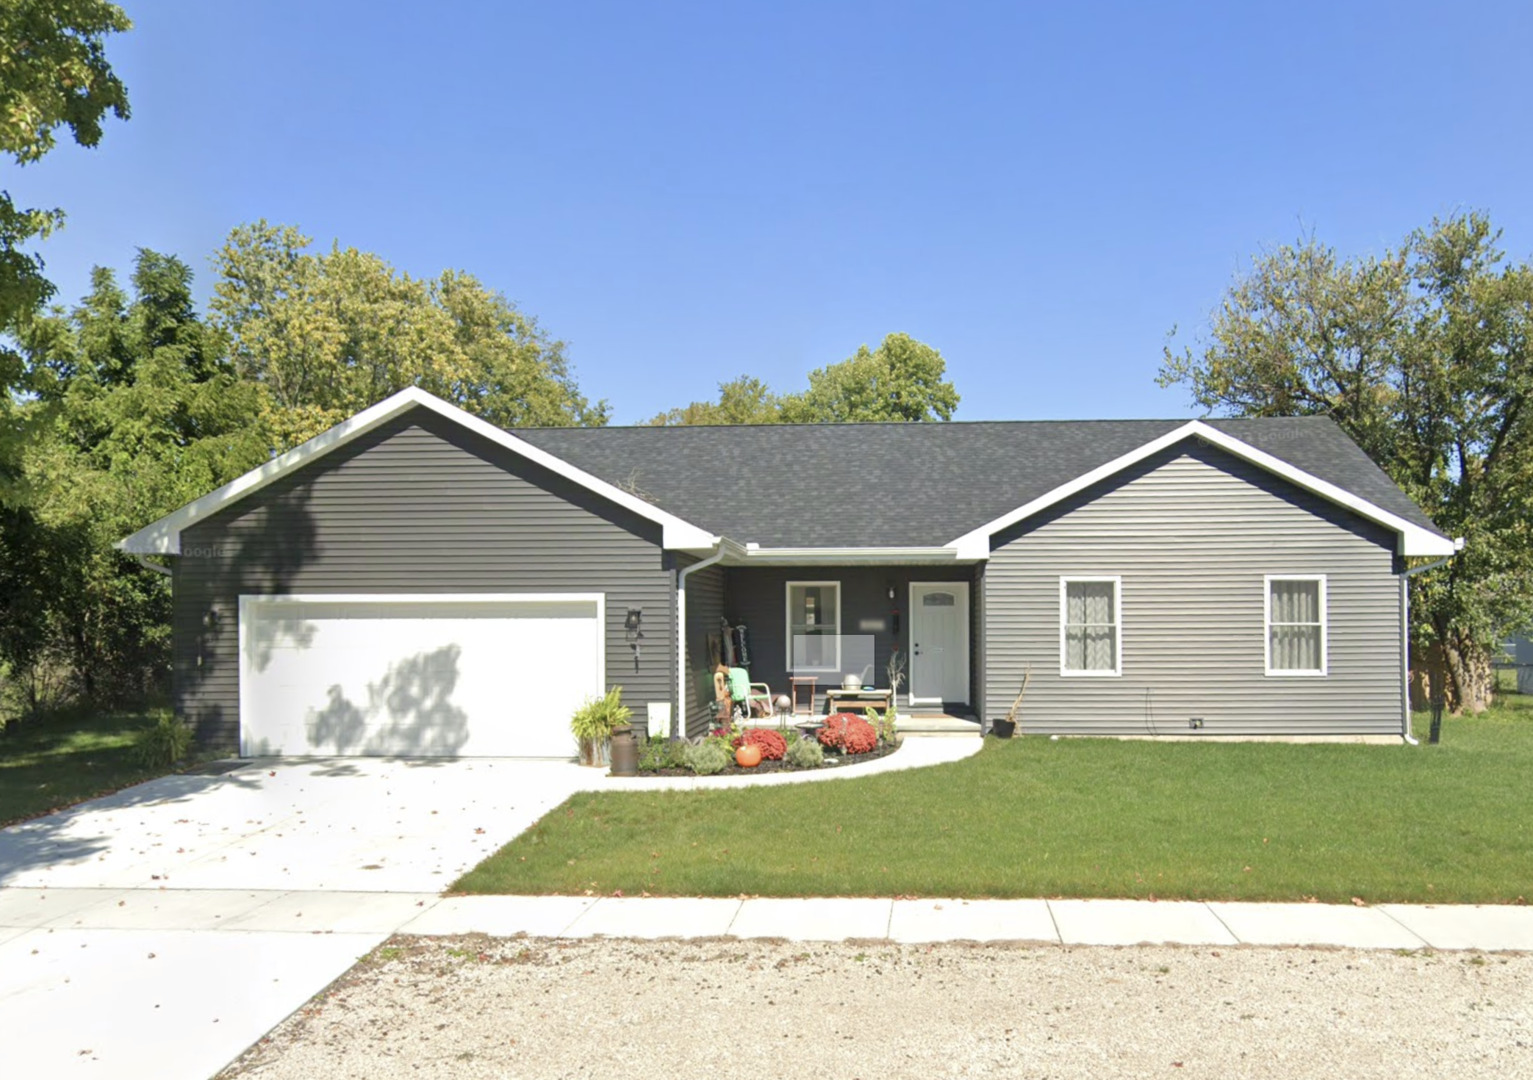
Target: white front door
{"type": "Point", "coordinates": [939, 642]}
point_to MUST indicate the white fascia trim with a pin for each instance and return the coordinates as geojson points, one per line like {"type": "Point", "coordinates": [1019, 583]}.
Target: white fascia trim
{"type": "Point", "coordinates": [756, 555]}
{"type": "Point", "coordinates": [163, 537]}
{"type": "Point", "coordinates": [1413, 539]}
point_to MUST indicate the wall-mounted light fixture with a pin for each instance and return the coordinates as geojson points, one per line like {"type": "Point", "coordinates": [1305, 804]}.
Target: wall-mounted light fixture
{"type": "Point", "coordinates": [891, 590]}
{"type": "Point", "coordinates": [631, 624]}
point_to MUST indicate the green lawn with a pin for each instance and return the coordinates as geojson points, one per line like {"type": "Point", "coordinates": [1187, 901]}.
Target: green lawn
{"type": "Point", "coordinates": [65, 758]}
{"type": "Point", "coordinates": [1030, 817]}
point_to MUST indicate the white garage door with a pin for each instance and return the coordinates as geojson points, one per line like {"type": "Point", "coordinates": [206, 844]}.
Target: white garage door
{"type": "Point", "coordinates": [461, 675]}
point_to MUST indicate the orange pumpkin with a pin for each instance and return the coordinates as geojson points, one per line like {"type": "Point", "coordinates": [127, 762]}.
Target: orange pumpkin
{"type": "Point", "coordinates": [748, 756]}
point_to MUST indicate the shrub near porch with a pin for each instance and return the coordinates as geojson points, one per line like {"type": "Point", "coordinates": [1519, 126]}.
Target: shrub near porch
{"type": "Point", "coordinates": [1090, 818]}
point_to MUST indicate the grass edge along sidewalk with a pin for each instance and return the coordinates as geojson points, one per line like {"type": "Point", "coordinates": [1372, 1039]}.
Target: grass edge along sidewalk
{"type": "Point", "coordinates": [1076, 818]}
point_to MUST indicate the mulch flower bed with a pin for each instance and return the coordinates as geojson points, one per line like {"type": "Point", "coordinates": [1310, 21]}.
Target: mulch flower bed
{"type": "Point", "coordinates": [832, 761]}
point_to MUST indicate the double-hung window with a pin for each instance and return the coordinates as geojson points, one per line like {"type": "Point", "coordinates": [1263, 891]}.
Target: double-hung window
{"type": "Point", "coordinates": [1296, 625]}
{"type": "Point", "coordinates": [1090, 626]}
{"type": "Point", "coordinates": [814, 626]}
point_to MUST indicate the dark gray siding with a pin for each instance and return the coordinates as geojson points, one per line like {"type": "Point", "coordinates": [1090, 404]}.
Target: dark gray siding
{"type": "Point", "coordinates": [705, 606]}
{"type": "Point", "coordinates": [758, 597]}
{"type": "Point", "coordinates": [1192, 532]}
{"type": "Point", "coordinates": [419, 505]}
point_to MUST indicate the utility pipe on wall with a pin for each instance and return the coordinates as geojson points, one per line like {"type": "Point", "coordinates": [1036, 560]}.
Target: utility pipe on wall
{"type": "Point", "coordinates": [678, 722]}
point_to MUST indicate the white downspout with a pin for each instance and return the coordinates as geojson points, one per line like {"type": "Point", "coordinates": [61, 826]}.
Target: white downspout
{"type": "Point", "coordinates": [1405, 636]}
{"type": "Point", "coordinates": [680, 723]}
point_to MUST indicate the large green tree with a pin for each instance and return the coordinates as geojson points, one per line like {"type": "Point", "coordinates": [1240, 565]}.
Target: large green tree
{"type": "Point", "coordinates": [53, 74]}
{"type": "Point", "coordinates": [133, 409]}
{"type": "Point", "coordinates": [327, 334]}
{"type": "Point", "coordinates": [1424, 355]}
{"type": "Point", "coordinates": [902, 379]}
{"type": "Point", "coordinates": [743, 400]}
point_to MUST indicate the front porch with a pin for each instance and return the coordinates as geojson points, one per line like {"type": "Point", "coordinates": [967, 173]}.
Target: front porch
{"type": "Point", "coordinates": [807, 628]}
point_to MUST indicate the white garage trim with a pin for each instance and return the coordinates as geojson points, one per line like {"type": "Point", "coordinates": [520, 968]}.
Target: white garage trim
{"type": "Point", "coordinates": [252, 604]}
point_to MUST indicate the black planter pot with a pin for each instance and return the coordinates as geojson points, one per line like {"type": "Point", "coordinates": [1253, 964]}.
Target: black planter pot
{"type": "Point", "coordinates": [1003, 729]}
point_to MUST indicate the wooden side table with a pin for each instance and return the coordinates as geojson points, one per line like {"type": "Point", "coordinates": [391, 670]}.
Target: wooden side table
{"type": "Point", "coordinates": [841, 700]}
{"type": "Point", "coordinates": [794, 682]}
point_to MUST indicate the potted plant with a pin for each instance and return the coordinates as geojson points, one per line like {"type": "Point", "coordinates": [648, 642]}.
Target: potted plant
{"type": "Point", "coordinates": [1006, 728]}
{"type": "Point", "coordinates": [595, 722]}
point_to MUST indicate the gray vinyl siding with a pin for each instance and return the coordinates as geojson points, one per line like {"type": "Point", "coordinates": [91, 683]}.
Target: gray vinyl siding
{"type": "Point", "coordinates": [757, 596]}
{"type": "Point", "coordinates": [420, 505]}
{"type": "Point", "coordinates": [1192, 532]}
{"type": "Point", "coordinates": [705, 606]}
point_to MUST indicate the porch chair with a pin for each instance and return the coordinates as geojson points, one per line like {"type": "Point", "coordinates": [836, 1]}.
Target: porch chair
{"type": "Point", "coordinates": [746, 698]}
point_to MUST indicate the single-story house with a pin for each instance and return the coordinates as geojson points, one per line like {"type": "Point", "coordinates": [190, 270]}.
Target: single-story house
{"type": "Point", "coordinates": [418, 581]}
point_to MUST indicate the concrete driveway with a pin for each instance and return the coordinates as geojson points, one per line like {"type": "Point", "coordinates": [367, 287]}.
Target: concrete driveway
{"type": "Point", "coordinates": [159, 931]}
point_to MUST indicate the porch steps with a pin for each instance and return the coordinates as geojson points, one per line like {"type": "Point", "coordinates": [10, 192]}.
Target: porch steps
{"type": "Point", "coordinates": [928, 725]}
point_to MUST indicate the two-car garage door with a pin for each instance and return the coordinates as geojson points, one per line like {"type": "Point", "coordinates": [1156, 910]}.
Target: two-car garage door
{"type": "Point", "coordinates": [417, 675]}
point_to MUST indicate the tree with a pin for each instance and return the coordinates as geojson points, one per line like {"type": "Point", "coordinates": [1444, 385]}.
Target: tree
{"type": "Point", "coordinates": [55, 74]}
{"type": "Point", "coordinates": [743, 400]}
{"type": "Point", "coordinates": [327, 335]}
{"type": "Point", "coordinates": [1423, 356]}
{"type": "Point", "coordinates": [900, 380]}
{"type": "Point", "coordinates": [134, 409]}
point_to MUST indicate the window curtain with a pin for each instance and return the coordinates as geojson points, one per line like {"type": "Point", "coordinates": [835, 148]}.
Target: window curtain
{"type": "Point", "coordinates": [813, 644]}
{"type": "Point", "coordinates": [1090, 625]}
{"type": "Point", "coordinates": [1295, 625]}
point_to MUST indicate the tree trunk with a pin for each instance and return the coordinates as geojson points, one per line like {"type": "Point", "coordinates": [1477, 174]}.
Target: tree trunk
{"type": "Point", "coordinates": [1470, 676]}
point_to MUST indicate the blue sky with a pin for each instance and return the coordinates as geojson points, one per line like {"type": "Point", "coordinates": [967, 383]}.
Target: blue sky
{"type": "Point", "coordinates": [687, 192]}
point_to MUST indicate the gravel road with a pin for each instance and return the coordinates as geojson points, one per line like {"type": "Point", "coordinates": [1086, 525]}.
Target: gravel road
{"type": "Point", "coordinates": [476, 1007]}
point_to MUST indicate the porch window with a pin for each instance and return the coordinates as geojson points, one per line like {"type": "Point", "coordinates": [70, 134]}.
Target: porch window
{"type": "Point", "coordinates": [814, 626]}
{"type": "Point", "coordinates": [1090, 633]}
{"type": "Point", "coordinates": [1296, 625]}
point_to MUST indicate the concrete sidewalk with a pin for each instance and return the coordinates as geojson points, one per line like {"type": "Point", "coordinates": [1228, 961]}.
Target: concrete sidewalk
{"type": "Point", "coordinates": [1053, 922]}
{"type": "Point", "coordinates": [373, 916]}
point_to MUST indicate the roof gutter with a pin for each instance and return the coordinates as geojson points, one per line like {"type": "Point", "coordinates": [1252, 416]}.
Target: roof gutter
{"type": "Point", "coordinates": [147, 565]}
{"type": "Point", "coordinates": [756, 555]}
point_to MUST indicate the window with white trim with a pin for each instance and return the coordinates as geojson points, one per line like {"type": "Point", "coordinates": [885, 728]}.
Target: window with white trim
{"type": "Point", "coordinates": [814, 626]}
{"type": "Point", "coordinates": [1296, 625]}
{"type": "Point", "coordinates": [1090, 626]}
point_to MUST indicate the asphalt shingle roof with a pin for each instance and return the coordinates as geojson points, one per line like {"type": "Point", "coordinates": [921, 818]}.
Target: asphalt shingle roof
{"type": "Point", "coordinates": [909, 485]}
